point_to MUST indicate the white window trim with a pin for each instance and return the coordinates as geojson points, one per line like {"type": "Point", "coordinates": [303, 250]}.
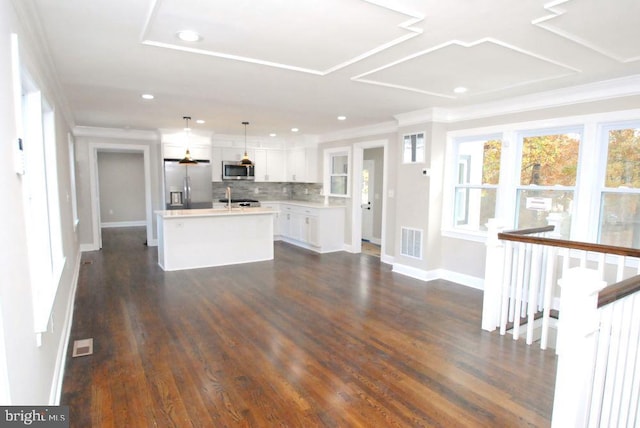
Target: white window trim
{"type": "Point", "coordinates": [603, 145]}
{"type": "Point", "coordinates": [38, 173]}
{"type": "Point", "coordinates": [328, 155]}
{"type": "Point", "coordinates": [424, 153]}
{"type": "Point", "coordinates": [587, 185]}
{"type": "Point", "coordinates": [450, 184]}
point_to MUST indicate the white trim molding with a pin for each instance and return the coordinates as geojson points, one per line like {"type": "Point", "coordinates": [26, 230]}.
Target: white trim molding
{"type": "Point", "coordinates": [447, 275]}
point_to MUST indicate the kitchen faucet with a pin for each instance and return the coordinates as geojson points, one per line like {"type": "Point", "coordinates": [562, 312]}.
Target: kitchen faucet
{"type": "Point", "coordinates": [227, 194]}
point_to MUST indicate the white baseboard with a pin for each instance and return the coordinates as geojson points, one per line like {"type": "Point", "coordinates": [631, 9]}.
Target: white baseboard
{"type": "Point", "coordinates": [424, 275]}
{"type": "Point", "coordinates": [462, 279]}
{"type": "Point", "coordinates": [385, 258]}
{"type": "Point", "coordinates": [416, 273]}
{"type": "Point", "coordinates": [123, 224]}
{"type": "Point", "coordinates": [152, 243]}
{"type": "Point", "coordinates": [88, 247]}
{"type": "Point", "coordinates": [58, 372]}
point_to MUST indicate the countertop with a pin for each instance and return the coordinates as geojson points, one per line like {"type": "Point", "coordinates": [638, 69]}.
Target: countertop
{"type": "Point", "coordinates": [303, 204]}
{"type": "Point", "coordinates": [215, 212]}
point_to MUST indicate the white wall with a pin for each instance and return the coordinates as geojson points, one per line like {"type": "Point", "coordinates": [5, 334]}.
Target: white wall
{"type": "Point", "coordinates": [33, 372]}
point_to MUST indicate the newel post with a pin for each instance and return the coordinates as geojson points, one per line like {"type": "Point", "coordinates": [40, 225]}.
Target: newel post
{"type": "Point", "coordinates": [576, 346]}
{"type": "Point", "coordinates": [494, 265]}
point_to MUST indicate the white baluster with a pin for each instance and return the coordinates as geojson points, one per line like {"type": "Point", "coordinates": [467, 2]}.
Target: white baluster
{"type": "Point", "coordinates": [548, 290]}
{"type": "Point", "coordinates": [533, 291]}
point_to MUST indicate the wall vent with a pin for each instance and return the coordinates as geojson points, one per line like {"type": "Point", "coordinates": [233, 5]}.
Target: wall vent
{"type": "Point", "coordinates": [411, 243]}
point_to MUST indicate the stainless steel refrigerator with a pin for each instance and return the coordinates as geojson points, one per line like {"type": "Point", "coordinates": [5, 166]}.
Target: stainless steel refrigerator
{"type": "Point", "coordinates": [187, 186]}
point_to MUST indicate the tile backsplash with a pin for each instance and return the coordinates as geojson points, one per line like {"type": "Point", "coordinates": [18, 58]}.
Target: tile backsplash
{"type": "Point", "coordinates": [310, 192]}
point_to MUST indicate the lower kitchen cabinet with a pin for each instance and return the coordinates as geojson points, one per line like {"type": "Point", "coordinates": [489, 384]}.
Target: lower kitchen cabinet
{"type": "Point", "coordinates": [318, 228]}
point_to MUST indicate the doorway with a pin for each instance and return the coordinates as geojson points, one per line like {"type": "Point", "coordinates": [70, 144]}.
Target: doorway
{"type": "Point", "coordinates": [369, 206]}
{"type": "Point", "coordinates": [94, 149]}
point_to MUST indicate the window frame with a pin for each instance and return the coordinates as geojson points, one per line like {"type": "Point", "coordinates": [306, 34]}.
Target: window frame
{"type": "Point", "coordinates": [424, 148]}
{"type": "Point", "coordinates": [602, 189]}
{"type": "Point", "coordinates": [517, 174]}
{"type": "Point", "coordinates": [36, 127]}
{"type": "Point", "coordinates": [588, 186]}
{"type": "Point", "coordinates": [451, 183]}
{"type": "Point", "coordinates": [329, 155]}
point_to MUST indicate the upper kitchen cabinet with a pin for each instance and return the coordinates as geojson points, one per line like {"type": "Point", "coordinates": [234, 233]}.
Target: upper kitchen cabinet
{"type": "Point", "coordinates": [302, 165]}
{"type": "Point", "coordinates": [236, 153]}
{"type": "Point", "coordinates": [216, 164]}
{"type": "Point", "coordinates": [177, 151]}
{"type": "Point", "coordinates": [270, 165]}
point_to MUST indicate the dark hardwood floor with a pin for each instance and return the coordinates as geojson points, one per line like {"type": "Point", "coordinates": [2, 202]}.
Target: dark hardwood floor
{"type": "Point", "coordinates": [305, 340]}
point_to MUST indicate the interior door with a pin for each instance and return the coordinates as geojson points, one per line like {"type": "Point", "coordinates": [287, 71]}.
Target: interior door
{"type": "Point", "coordinates": [367, 196]}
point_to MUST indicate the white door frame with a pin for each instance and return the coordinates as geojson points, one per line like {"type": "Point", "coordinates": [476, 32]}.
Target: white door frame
{"type": "Point", "coordinates": [356, 213]}
{"type": "Point", "coordinates": [369, 214]}
{"type": "Point", "coordinates": [94, 148]}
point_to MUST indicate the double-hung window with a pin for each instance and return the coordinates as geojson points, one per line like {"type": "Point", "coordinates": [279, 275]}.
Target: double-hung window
{"type": "Point", "coordinates": [476, 182]}
{"type": "Point", "coordinates": [619, 222]}
{"type": "Point", "coordinates": [336, 176]}
{"type": "Point", "coordinates": [547, 178]}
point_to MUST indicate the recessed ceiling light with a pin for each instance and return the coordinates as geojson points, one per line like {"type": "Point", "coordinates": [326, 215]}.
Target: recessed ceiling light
{"type": "Point", "coordinates": [342, 117]}
{"type": "Point", "coordinates": [199, 121]}
{"type": "Point", "coordinates": [188, 36]}
{"type": "Point", "coordinates": [460, 90]}
{"type": "Point", "coordinates": [294, 129]}
{"type": "Point", "coordinates": [147, 96]}
{"type": "Point", "coordinates": [273, 134]}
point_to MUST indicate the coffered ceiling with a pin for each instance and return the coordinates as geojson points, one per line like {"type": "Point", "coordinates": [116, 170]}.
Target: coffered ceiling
{"type": "Point", "coordinates": [301, 63]}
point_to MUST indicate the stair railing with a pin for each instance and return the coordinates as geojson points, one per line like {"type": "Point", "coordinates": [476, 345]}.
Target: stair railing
{"type": "Point", "coordinates": [523, 268]}
{"type": "Point", "coordinates": [598, 375]}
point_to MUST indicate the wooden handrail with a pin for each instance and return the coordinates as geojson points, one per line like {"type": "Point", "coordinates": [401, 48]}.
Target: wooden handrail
{"type": "Point", "coordinates": [617, 291]}
{"type": "Point", "coordinates": [532, 230]}
{"type": "Point", "coordinates": [524, 236]}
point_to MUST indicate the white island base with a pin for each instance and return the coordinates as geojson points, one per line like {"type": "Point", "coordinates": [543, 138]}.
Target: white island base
{"type": "Point", "coordinates": [189, 239]}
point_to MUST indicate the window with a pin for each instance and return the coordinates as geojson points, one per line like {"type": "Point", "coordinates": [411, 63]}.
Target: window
{"type": "Point", "coordinates": [413, 148]}
{"type": "Point", "coordinates": [72, 178]}
{"type": "Point", "coordinates": [476, 184]}
{"type": "Point", "coordinates": [548, 172]}
{"type": "Point", "coordinates": [337, 172]}
{"type": "Point", "coordinates": [619, 222]}
{"type": "Point", "coordinates": [36, 128]}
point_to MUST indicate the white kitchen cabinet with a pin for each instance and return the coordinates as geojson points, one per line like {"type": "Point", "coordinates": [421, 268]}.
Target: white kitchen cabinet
{"type": "Point", "coordinates": [270, 165]}
{"type": "Point", "coordinates": [236, 153]}
{"type": "Point", "coordinates": [318, 228]}
{"type": "Point", "coordinates": [177, 151]}
{"type": "Point", "coordinates": [216, 164]}
{"type": "Point", "coordinates": [302, 165]}
{"type": "Point", "coordinates": [277, 217]}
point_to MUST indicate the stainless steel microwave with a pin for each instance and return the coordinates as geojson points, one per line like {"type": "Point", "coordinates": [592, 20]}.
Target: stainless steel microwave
{"type": "Point", "coordinates": [233, 170]}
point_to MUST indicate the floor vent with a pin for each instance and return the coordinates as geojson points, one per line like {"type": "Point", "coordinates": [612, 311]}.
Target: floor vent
{"type": "Point", "coordinates": [87, 262]}
{"type": "Point", "coordinates": [411, 243]}
{"type": "Point", "coordinates": [82, 347]}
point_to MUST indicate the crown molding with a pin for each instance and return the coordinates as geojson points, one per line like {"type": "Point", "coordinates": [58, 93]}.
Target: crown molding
{"type": "Point", "coordinates": [119, 133]}
{"type": "Point", "coordinates": [364, 131]}
{"type": "Point", "coordinates": [38, 54]}
{"type": "Point", "coordinates": [591, 92]}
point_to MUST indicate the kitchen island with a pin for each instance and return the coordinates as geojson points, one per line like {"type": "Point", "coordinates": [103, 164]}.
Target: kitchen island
{"type": "Point", "coordinates": [189, 239]}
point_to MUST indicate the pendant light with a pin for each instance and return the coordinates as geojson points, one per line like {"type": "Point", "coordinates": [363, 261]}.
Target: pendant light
{"type": "Point", "coordinates": [245, 159]}
{"type": "Point", "coordinates": [187, 159]}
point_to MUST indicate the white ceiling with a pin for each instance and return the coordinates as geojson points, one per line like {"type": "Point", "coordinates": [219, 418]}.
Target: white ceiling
{"type": "Point", "coordinates": [300, 63]}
